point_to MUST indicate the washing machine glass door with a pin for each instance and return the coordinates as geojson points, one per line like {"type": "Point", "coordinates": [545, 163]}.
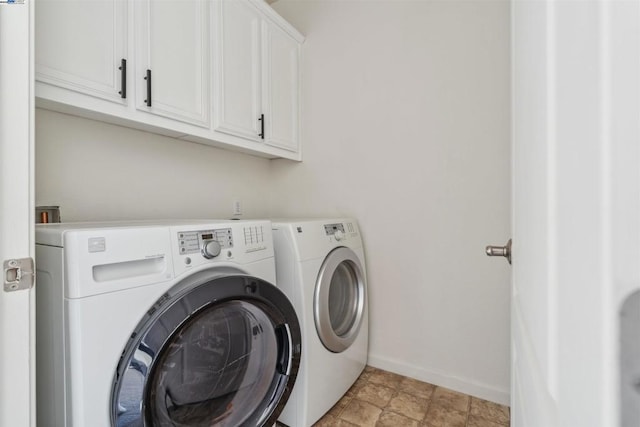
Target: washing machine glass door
{"type": "Point", "coordinates": [339, 299]}
{"type": "Point", "coordinates": [222, 353]}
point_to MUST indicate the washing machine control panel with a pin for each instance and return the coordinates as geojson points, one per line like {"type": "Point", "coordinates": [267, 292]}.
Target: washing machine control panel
{"type": "Point", "coordinates": [190, 242]}
{"type": "Point", "coordinates": [237, 243]}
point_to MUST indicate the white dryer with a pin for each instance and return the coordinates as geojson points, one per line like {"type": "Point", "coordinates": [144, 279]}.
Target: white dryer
{"type": "Point", "coordinates": [161, 324]}
{"type": "Point", "coordinates": [320, 266]}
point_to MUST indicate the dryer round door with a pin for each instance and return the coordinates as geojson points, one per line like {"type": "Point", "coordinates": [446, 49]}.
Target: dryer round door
{"type": "Point", "coordinates": [339, 299]}
{"type": "Point", "coordinates": [224, 352]}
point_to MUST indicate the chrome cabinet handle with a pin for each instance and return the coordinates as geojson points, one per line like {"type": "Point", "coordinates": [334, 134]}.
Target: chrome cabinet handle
{"type": "Point", "coordinates": [504, 251]}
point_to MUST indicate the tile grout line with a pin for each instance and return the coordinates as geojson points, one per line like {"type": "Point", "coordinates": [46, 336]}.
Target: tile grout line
{"type": "Point", "coordinates": [468, 412]}
{"type": "Point", "coordinates": [424, 419]}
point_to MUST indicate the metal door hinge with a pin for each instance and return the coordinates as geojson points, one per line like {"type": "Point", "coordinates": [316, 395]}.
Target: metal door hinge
{"type": "Point", "coordinates": [18, 274]}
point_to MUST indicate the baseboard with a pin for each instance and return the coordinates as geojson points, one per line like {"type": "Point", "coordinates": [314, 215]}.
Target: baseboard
{"type": "Point", "coordinates": [461, 385]}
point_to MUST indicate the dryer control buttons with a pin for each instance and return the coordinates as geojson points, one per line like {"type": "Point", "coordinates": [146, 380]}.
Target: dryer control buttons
{"type": "Point", "coordinates": [332, 229]}
{"type": "Point", "coordinates": [210, 249]}
{"type": "Point", "coordinates": [338, 235]}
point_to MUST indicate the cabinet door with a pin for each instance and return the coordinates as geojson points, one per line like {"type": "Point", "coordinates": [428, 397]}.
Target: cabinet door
{"type": "Point", "coordinates": [280, 87]}
{"type": "Point", "coordinates": [238, 91]}
{"type": "Point", "coordinates": [172, 47]}
{"type": "Point", "coordinates": [79, 45]}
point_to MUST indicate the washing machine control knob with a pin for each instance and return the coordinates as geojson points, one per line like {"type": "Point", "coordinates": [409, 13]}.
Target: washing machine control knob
{"type": "Point", "coordinates": [338, 235]}
{"type": "Point", "coordinates": [210, 249]}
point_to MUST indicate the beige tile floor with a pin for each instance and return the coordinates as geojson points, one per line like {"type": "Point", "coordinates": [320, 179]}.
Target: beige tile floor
{"type": "Point", "coordinates": [384, 399]}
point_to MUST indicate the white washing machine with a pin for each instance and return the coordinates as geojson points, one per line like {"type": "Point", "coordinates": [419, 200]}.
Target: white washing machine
{"type": "Point", "coordinates": [161, 324]}
{"type": "Point", "coordinates": [320, 266]}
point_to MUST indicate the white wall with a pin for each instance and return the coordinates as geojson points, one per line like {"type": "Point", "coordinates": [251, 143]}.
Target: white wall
{"type": "Point", "coordinates": [406, 127]}
{"type": "Point", "coordinates": [98, 171]}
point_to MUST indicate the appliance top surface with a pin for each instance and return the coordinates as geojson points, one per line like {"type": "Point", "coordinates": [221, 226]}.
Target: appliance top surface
{"type": "Point", "coordinates": [284, 222]}
{"type": "Point", "coordinates": [52, 233]}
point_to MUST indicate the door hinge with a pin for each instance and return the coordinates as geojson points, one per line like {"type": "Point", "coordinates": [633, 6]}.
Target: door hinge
{"type": "Point", "coordinates": [18, 274]}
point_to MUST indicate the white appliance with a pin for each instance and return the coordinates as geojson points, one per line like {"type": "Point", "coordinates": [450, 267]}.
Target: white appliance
{"type": "Point", "coordinates": [161, 324]}
{"type": "Point", "coordinates": [320, 266]}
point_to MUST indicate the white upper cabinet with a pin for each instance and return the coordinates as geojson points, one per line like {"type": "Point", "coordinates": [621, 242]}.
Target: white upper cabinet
{"type": "Point", "coordinates": [217, 72]}
{"type": "Point", "coordinates": [238, 110]}
{"type": "Point", "coordinates": [172, 59]}
{"type": "Point", "coordinates": [257, 77]}
{"type": "Point", "coordinates": [281, 87]}
{"type": "Point", "coordinates": [81, 45]}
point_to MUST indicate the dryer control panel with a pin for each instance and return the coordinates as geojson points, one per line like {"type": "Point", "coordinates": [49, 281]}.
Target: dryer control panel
{"type": "Point", "coordinates": [331, 229]}
{"type": "Point", "coordinates": [337, 231]}
{"type": "Point", "coordinates": [190, 242]}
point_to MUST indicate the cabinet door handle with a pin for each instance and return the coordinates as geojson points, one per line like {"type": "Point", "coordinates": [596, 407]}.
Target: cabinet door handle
{"type": "Point", "coordinates": [261, 118]}
{"type": "Point", "coordinates": [123, 78]}
{"type": "Point", "coordinates": [148, 79]}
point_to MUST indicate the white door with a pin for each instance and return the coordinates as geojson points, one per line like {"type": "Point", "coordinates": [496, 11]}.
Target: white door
{"type": "Point", "coordinates": [238, 110]}
{"type": "Point", "coordinates": [17, 381]}
{"type": "Point", "coordinates": [81, 45]}
{"type": "Point", "coordinates": [575, 206]}
{"type": "Point", "coordinates": [172, 59]}
{"type": "Point", "coordinates": [280, 53]}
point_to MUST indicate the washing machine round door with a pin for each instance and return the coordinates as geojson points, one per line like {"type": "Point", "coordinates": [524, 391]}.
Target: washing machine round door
{"type": "Point", "coordinates": [224, 352]}
{"type": "Point", "coordinates": [339, 299]}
